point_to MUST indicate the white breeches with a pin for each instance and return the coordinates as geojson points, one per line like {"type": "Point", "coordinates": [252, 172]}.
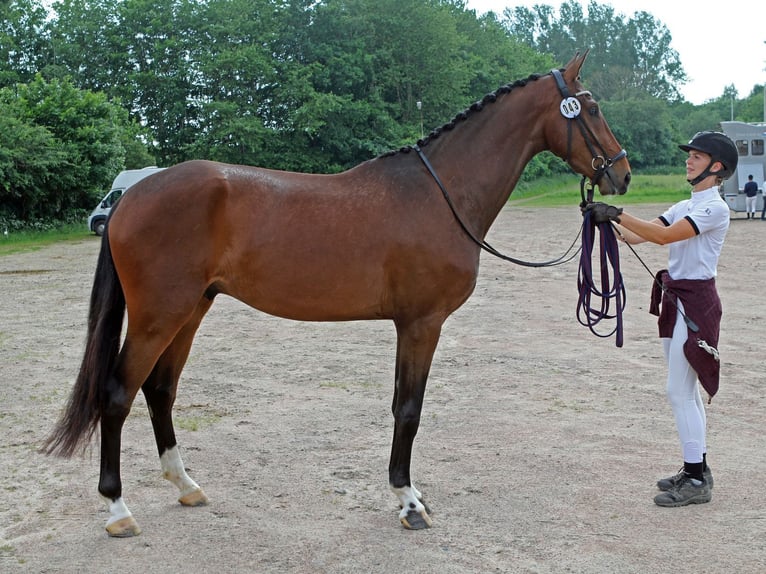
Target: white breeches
{"type": "Point", "coordinates": [683, 394]}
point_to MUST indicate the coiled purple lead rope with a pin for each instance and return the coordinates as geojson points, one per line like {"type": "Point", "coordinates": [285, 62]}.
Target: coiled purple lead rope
{"type": "Point", "coordinates": [611, 290]}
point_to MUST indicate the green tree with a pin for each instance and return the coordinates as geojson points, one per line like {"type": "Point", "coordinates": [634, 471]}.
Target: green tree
{"type": "Point", "coordinates": [30, 159]}
{"type": "Point", "coordinates": [630, 57]}
{"type": "Point", "coordinates": [385, 70]}
{"type": "Point", "coordinates": [140, 52]}
{"type": "Point", "coordinates": [161, 83]}
{"type": "Point", "coordinates": [24, 44]}
{"type": "Point", "coordinates": [644, 128]}
{"type": "Point", "coordinates": [86, 39]}
{"type": "Point", "coordinates": [71, 151]}
{"type": "Point", "coordinates": [390, 54]}
{"type": "Point", "coordinates": [241, 64]}
{"type": "Point", "coordinates": [751, 109]}
{"type": "Point", "coordinates": [495, 58]}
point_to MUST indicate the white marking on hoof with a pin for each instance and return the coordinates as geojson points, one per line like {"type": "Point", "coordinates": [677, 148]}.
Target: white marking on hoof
{"type": "Point", "coordinates": [174, 471]}
{"type": "Point", "coordinates": [124, 528]}
{"type": "Point", "coordinates": [121, 523]}
{"type": "Point", "coordinates": [410, 500]}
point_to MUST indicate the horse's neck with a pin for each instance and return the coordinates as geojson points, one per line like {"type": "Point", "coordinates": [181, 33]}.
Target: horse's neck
{"type": "Point", "coordinates": [482, 159]}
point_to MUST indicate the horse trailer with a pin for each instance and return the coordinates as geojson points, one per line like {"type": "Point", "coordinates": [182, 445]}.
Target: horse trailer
{"type": "Point", "coordinates": [749, 139]}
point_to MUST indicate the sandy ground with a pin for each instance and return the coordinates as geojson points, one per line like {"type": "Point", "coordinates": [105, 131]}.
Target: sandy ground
{"type": "Point", "coordinates": [538, 451]}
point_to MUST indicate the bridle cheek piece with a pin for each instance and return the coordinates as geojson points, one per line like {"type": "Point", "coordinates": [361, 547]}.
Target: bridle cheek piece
{"type": "Point", "coordinates": [570, 108]}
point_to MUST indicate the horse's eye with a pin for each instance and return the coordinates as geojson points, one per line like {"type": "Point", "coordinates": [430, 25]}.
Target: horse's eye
{"type": "Point", "coordinates": [593, 111]}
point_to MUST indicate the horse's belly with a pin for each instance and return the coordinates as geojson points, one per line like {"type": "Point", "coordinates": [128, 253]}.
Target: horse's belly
{"type": "Point", "coordinates": [308, 294]}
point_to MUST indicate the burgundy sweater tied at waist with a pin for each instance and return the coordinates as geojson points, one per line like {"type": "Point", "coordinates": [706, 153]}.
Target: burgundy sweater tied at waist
{"type": "Point", "coordinates": [703, 307]}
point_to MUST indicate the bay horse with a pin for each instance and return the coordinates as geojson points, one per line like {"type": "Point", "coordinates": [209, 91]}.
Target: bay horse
{"type": "Point", "coordinates": [393, 238]}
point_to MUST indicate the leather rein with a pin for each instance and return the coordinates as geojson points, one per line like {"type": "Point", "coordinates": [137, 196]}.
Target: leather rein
{"type": "Point", "coordinates": [481, 242]}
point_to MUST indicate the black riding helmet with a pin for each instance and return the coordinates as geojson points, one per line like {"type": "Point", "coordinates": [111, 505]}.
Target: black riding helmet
{"type": "Point", "coordinates": [719, 147]}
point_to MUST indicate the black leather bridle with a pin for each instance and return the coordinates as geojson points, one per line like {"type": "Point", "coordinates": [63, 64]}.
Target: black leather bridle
{"type": "Point", "coordinates": [571, 109]}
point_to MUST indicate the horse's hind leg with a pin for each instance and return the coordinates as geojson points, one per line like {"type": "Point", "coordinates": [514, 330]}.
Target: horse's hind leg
{"type": "Point", "coordinates": [121, 522]}
{"type": "Point", "coordinates": [137, 364]}
{"type": "Point", "coordinates": [160, 392]}
{"type": "Point", "coordinates": [416, 343]}
{"type": "Point", "coordinates": [134, 364]}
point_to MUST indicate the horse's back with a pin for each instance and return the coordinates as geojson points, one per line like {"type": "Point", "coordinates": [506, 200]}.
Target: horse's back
{"type": "Point", "coordinates": [303, 246]}
{"type": "Point", "coordinates": [197, 192]}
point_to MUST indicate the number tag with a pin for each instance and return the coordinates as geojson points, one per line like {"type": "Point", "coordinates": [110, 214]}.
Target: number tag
{"type": "Point", "coordinates": [570, 108]}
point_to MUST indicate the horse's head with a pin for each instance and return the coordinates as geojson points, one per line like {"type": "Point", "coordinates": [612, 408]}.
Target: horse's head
{"type": "Point", "coordinates": [579, 134]}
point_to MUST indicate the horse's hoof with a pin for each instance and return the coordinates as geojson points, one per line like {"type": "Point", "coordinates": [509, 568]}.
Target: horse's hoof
{"type": "Point", "coordinates": [415, 520]}
{"type": "Point", "coordinates": [196, 498]}
{"type": "Point", "coordinates": [123, 528]}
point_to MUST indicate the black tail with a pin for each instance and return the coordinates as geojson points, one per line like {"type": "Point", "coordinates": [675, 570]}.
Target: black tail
{"type": "Point", "coordinates": [83, 410]}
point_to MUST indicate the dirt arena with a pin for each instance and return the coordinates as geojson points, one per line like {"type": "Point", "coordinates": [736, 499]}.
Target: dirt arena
{"type": "Point", "coordinates": [538, 450]}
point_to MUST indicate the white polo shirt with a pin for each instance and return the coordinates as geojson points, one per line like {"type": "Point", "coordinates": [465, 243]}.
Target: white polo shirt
{"type": "Point", "coordinates": [697, 257]}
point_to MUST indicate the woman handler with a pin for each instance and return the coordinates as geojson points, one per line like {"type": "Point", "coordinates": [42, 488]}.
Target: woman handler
{"type": "Point", "coordinates": [690, 310]}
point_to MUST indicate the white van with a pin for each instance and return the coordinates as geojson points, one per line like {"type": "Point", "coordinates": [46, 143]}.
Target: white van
{"type": "Point", "coordinates": [97, 218]}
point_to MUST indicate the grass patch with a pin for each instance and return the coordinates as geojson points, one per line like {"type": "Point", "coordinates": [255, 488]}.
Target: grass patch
{"type": "Point", "coordinates": [193, 423]}
{"type": "Point", "coordinates": [333, 385]}
{"type": "Point", "coordinates": [24, 241]}
{"type": "Point", "coordinates": [564, 190]}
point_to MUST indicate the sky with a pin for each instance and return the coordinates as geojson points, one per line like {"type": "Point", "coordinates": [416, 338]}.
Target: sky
{"type": "Point", "coordinates": [719, 43]}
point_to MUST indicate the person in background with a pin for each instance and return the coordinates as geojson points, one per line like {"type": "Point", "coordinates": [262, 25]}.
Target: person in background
{"type": "Point", "coordinates": [763, 192]}
{"type": "Point", "coordinates": [751, 195]}
{"type": "Point", "coordinates": [687, 302]}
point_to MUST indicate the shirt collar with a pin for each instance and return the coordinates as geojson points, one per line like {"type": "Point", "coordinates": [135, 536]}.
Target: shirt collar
{"type": "Point", "coordinates": [704, 194]}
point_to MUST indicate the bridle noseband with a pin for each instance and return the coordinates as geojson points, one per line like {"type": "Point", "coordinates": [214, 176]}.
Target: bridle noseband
{"type": "Point", "coordinates": [570, 108]}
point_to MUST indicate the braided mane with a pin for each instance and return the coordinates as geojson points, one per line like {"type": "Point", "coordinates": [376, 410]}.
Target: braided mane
{"type": "Point", "coordinates": [465, 114]}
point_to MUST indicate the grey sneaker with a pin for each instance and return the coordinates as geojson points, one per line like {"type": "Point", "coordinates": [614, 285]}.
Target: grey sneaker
{"type": "Point", "coordinates": [683, 493]}
{"type": "Point", "coordinates": [669, 483]}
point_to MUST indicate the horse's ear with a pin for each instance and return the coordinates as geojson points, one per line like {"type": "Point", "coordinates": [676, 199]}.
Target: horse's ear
{"type": "Point", "coordinates": [572, 69]}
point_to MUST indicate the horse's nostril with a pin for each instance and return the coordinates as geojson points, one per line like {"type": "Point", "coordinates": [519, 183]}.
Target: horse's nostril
{"type": "Point", "coordinates": [627, 182]}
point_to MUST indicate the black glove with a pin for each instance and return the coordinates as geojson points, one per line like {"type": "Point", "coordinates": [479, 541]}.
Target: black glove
{"type": "Point", "coordinates": [602, 212]}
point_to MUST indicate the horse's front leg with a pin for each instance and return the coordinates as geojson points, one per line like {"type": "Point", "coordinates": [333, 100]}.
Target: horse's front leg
{"type": "Point", "coordinates": [416, 343]}
{"type": "Point", "coordinates": [414, 513]}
